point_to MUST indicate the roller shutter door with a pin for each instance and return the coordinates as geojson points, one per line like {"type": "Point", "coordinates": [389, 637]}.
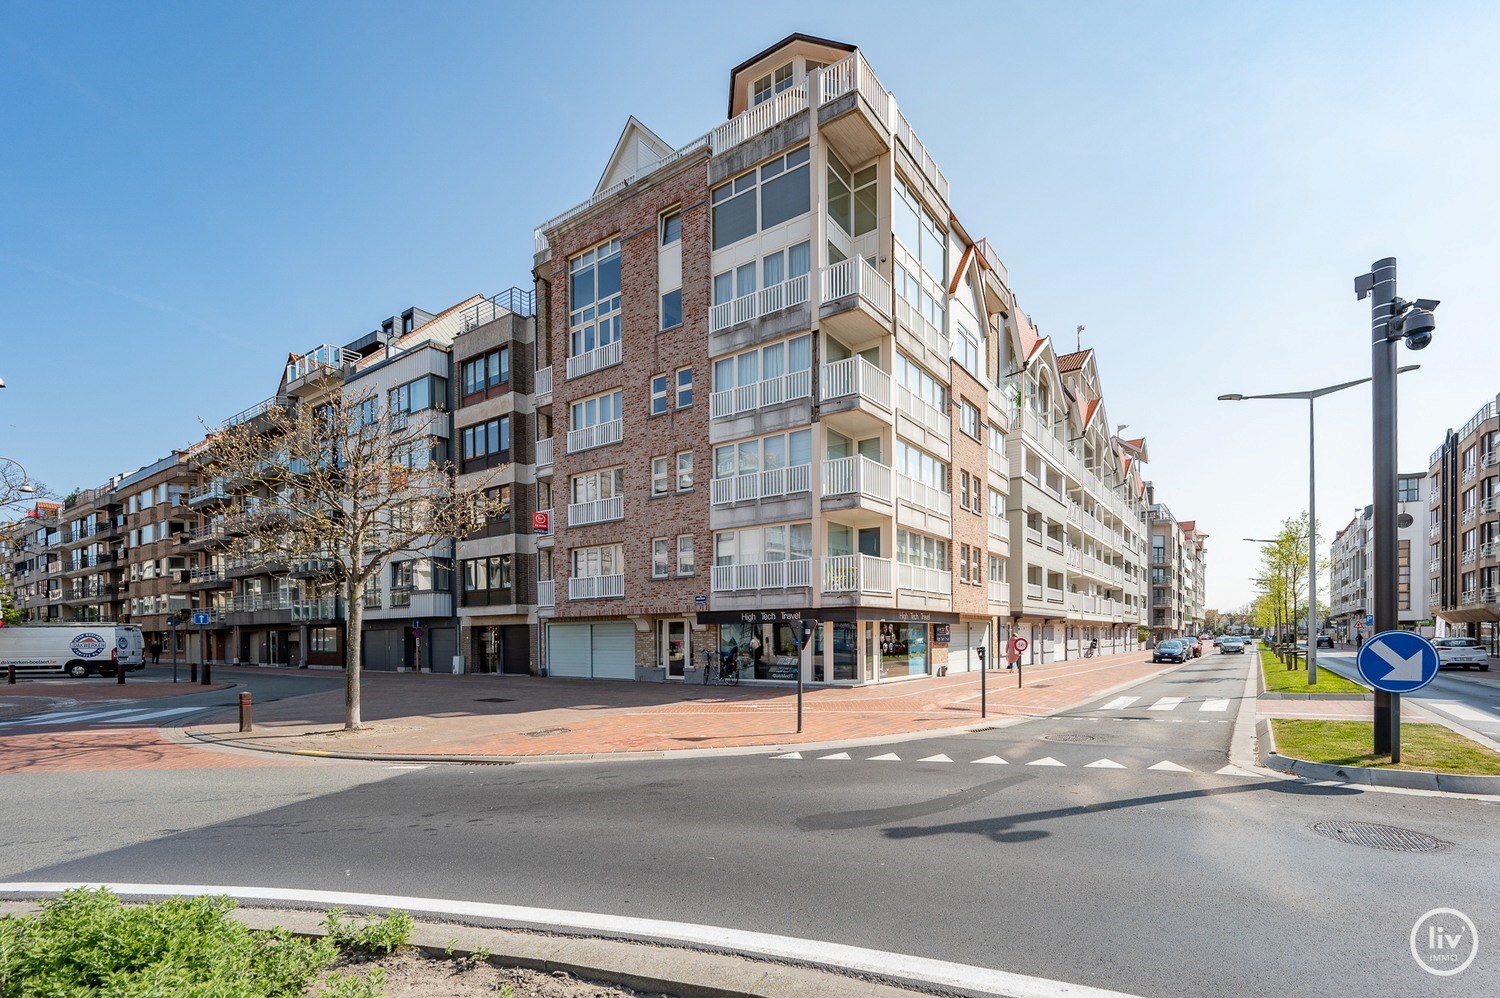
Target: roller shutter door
{"type": "Point", "coordinates": [613, 647]}
{"type": "Point", "coordinates": [568, 650]}
{"type": "Point", "coordinates": [967, 636]}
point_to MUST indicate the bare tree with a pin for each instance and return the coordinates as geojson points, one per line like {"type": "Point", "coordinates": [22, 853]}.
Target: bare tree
{"type": "Point", "coordinates": [343, 485]}
{"type": "Point", "coordinates": [17, 487]}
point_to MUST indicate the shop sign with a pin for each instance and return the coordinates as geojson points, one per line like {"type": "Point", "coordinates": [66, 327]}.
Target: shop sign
{"type": "Point", "coordinates": [942, 633]}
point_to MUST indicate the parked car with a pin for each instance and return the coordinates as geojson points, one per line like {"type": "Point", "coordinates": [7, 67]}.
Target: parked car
{"type": "Point", "coordinates": [1462, 653]}
{"type": "Point", "coordinates": [1171, 650]}
{"type": "Point", "coordinates": [1231, 646]}
{"type": "Point", "coordinates": [1195, 647]}
{"type": "Point", "coordinates": [1219, 640]}
{"type": "Point", "coordinates": [1325, 640]}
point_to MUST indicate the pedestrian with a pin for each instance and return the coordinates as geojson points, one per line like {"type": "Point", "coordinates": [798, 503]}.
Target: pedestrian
{"type": "Point", "coordinates": [1012, 651]}
{"type": "Point", "coordinates": [1359, 640]}
{"type": "Point", "coordinates": [755, 650]}
{"type": "Point", "coordinates": [155, 652]}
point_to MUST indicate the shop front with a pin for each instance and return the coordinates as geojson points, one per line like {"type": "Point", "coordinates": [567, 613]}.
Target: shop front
{"type": "Point", "coordinates": [849, 644]}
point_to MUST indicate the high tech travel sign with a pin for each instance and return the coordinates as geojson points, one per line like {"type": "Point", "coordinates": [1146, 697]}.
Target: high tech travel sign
{"type": "Point", "coordinates": [1398, 662]}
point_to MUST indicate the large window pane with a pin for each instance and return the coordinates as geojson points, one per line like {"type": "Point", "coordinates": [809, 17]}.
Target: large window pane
{"type": "Point", "coordinates": [734, 219]}
{"type": "Point", "coordinates": [784, 198]}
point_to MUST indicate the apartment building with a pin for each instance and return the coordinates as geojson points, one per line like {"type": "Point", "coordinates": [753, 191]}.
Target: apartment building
{"type": "Point", "coordinates": [788, 311]}
{"type": "Point", "coordinates": [1463, 528]}
{"type": "Point", "coordinates": [1177, 572]}
{"type": "Point", "coordinates": [502, 391]}
{"type": "Point", "coordinates": [1352, 558]}
{"type": "Point", "coordinates": [33, 560]}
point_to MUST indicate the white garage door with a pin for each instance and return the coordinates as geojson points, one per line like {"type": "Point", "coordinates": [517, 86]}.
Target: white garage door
{"type": "Point", "coordinates": [592, 651]}
{"type": "Point", "coordinates": [568, 650]}
{"type": "Point", "coordinates": [614, 651]}
{"type": "Point", "coordinates": [967, 635]}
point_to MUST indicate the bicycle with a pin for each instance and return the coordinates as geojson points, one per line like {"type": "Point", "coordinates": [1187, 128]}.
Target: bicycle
{"type": "Point", "coordinates": [725, 670]}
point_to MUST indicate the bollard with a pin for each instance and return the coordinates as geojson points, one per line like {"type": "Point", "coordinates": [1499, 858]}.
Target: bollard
{"type": "Point", "coordinates": [205, 674]}
{"type": "Point", "coordinates": [245, 712]}
{"type": "Point", "coordinates": [119, 673]}
{"type": "Point", "coordinates": [192, 672]}
{"type": "Point", "coordinates": [10, 674]}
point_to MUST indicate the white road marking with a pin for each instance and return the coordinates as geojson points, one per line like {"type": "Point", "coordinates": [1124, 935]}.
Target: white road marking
{"type": "Point", "coordinates": [1215, 703]}
{"type": "Point", "coordinates": [1104, 764]}
{"type": "Point", "coordinates": [992, 760]}
{"type": "Point", "coordinates": [1170, 767]}
{"type": "Point", "coordinates": [1120, 703]}
{"type": "Point", "coordinates": [888, 757]}
{"type": "Point", "coordinates": [1049, 761]}
{"type": "Point", "coordinates": [857, 959]}
{"type": "Point", "coordinates": [789, 755]}
{"type": "Point", "coordinates": [1231, 771]}
{"type": "Point", "coordinates": [936, 758]}
{"type": "Point", "coordinates": [77, 715]}
{"type": "Point", "coordinates": [150, 715]}
{"type": "Point", "coordinates": [1166, 703]}
{"type": "Point", "coordinates": [836, 755]}
{"type": "Point", "coordinates": [1464, 713]}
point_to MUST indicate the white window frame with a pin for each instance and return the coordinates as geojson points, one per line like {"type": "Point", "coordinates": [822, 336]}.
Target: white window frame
{"type": "Point", "coordinates": [686, 563]}
{"type": "Point", "coordinates": [659, 395]}
{"type": "Point", "coordinates": [661, 477]}
{"type": "Point", "coordinates": [661, 564]}
{"type": "Point", "coordinates": [684, 470]}
{"type": "Point", "coordinates": [679, 388]}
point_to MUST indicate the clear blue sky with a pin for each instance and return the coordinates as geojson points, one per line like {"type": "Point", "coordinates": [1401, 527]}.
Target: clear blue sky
{"type": "Point", "coordinates": [189, 191]}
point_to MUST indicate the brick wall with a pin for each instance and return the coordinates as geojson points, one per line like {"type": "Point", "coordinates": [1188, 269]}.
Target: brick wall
{"type": "Point", "coordinates": [968, 527]}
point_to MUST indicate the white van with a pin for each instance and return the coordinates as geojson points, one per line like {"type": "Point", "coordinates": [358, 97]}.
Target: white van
{"type": "Point", "coordinates": [74, 649]}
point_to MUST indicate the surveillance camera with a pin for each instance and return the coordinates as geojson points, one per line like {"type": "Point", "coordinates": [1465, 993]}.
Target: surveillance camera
{"type": "Point", "coordinates": [1417, 327]}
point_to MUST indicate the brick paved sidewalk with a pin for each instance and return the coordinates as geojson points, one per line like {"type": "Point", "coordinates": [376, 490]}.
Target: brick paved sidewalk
{"type": "Point", "coordinates": [512, 716]}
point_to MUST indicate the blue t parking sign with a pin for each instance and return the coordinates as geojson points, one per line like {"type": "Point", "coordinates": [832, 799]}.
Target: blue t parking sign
{"type": "Point", "coordinates": [1398, 662]}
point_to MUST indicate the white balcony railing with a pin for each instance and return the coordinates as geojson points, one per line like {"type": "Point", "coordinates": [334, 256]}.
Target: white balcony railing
{"type": "Point", "coordinates": [773, 483]}
{"type": "Point", "coordinates": [596, 359]}
{"type": "Point", "coordinates": [855, 376]}
{"type": "Point", "coordinates": [933, 419]}
{"type": "Point", "coordinates": [544, 452]}
{"type": "Point", "coordinates": [920, 579]}
{"type": "Point", "coordinates": [596, 587]}
{"type": "Point", "coordinates": [546, 592]}
{"type": "Point", "coordinates": [581, 514]}
{"type": "Point", "coordinates": [857, 573]}
{"type": "Point", "coordinates": [761, 394]}
{"type": "Point", "coordinates": [999, 463]}
{"type": "Point", "coordinates": [597, 435]}
{"type": "Point", "coordinates": [999, 591]}
{"type": "Point", "coordinates": [931, 336]}
{"type": "Point", "coordinates": [853, 73]}
{"type": "Point", "coordinates": [760, 118]}
{"type": "Point", "coordinates": [857, 475]}
{"type": "Point", "coordinates": [793, 573]}
{"type": "Point", "coordinates": [544, 381]}
{"type": "Point", "coordinates": [326, 608]}
{"type": "Point", "coordinates": [999, 526]}
{"type": "Point", "coordinates": [1054, 595]}
{"type": "Point", "coordinates": [855, 276]}
{"type": "Point", "coordinates": [923, 496]}
{"type": "Point", "coordinates": [792, 291]}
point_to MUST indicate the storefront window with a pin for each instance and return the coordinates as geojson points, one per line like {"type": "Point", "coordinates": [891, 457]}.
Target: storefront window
{"type": "Point", "coordinates": [845, 652]}
{"type": "Point", "coordinates": [903, 650]}
{"type": "Point", "coordinates": [764, 651]}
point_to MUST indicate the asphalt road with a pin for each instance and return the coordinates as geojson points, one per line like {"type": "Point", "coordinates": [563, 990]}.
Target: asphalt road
{"type": "Point", "coordinates": [1470, 701]}
{"type": "Point", "coordinates": [1151, 881]}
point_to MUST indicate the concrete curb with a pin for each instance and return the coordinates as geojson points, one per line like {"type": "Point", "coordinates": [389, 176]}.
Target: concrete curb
{"type": "Point", "coordinates": [1316, 696]}
{"type": "Point", "coordinates": [1242, 738]}
{"type": "Point", "coordinates": [179, 733]}
{"type": "Point", "coordinates": [1405, 779]}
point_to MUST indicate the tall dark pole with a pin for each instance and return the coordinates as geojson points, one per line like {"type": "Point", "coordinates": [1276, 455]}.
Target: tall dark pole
{"type": "Point", "coordinates": [1381, 282]}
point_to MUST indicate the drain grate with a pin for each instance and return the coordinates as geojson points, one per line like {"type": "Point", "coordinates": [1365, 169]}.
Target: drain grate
{"type": "Point", "coordinates": [493, 700]}
{"type": "Point", "coordinates": [1373, 836]}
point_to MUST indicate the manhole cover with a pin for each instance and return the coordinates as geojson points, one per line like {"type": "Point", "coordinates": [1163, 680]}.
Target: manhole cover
{"type": "Point", "coordinates": [493, 700]}
{"type": "Point", "coordinates": [544, 732]}
{"type": "Point", "coordinates": [1075, 739]}
{"type": "Point", "coordinates": [1373, 836]}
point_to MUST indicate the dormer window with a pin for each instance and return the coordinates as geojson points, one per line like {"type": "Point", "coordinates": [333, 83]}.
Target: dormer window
{"type": "Point", "coordinates": [771, 84]}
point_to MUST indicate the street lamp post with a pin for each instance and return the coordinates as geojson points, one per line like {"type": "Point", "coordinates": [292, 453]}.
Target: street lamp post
{"type": "Point", "coordinates": [1391, 319]}
{"type": "Point", "coordinates": [1312, 506]}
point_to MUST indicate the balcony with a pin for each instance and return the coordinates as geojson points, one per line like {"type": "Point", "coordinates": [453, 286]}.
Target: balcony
{"type": "Point", "coordinates": [581, 514]}
{"type": "Point", "coordinates": [212, 492]}
{"type": "Point", "coordinates": [1489, 504]}
{"type": "Point", "coordinates": [596, 359]}
{"type": "Point", "coordinates": [999, 591]}
{"type": "Point", "coordinates": [919, 336]}
{"type": "Point", "coordinates": [999, 527]}
{"type": "Point", "coordinates": [373, 599]}
{"type": "Point", "coordinates": [854, 109]}
{"type": "Point", "coordinates": [760, 118]}
{"type": "Point", "coordinates": [759, 395]}
{"type": "Point", "coordinates": [1470, 514]}
{"type": "Point", "coordinates": [1434, 566]}
{"type": "Point", "coordinates": [259, 409]}
{"type": "Point", "coordinates": [924, 507]}
{"type": "Point", "coordinates": [923, 422]}
{"type": "Point", "coordinates": [544, 453]}
{"type": "Point", "coordinates": [858, 478]}
{"type": "Point", "coordinates": [327, 608]}
{"type": "Point", "coordinates": [857, 573]}
{"type": "Point", "coordinates": [999, 463]}
{"type": "Point", "coordinates": [1033, 534]}
{"type": "Point", "coordinates": [1470, 472]}
{"type": "Point", "coordinates": [1034, 591]}
{"type": "Point", "coordinates": [322, 361]}
{"type": "Point", "coordinates": [596, 587]}
{"type": "Point", "coordinates": [419, 603]}
{"type": "Point", "coordinates": [1435, 531]}
{"type": "Point", "coordinates": [205, 578]}
{"type": "Point", "coordinates": [793, 573]}
{"type": "Point", "coordinates": [311, 566]}
{"type": "Point", "coordinates": [1053, 543]}
{"type": "Point", "coordinates": [857, 390]}
{"type": "Point", "coordinates": [1489, 549]}
{"type": "Point", "coordinates": [597, 435]}
{"type": "Point", "coordinates": [773, 483]}
{"type": "Point", "coordinates": [767, 301]}
{"type": "Point", "coordinates": [543, 383]}
{"type": "Point", "coordinates": [856, 302]}
{"type": "Point", "coordinates": [920, 579]}
{"type": "Point", "coordinates": [546, 592]}
{"type": "Point", "coordinates": [1470, 556]}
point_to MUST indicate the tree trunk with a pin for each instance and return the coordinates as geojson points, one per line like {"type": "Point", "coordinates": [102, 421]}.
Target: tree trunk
{"type": "Point", "coordinates": [354, 600]}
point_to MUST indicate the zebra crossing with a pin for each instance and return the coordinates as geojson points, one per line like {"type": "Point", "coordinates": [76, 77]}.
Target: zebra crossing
{"type": "Point", "coordinates": [1162, 766]}
{"type": "Point", "coordinates": [132, 715]}
{"type": "Point", "coordinates": [1211, 705]}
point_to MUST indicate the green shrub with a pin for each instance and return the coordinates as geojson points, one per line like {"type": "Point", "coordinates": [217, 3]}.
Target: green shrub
{"type": "Point", "coordinates": [348, 985]}
{"type": "Point", "coordinates": [371, 936]}
{"type": "Point", "coordinates": [88, 943]}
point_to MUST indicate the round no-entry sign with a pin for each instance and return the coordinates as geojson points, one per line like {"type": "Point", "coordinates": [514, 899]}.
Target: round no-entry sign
{"type": "Point", "coordinates": [1022, 644]}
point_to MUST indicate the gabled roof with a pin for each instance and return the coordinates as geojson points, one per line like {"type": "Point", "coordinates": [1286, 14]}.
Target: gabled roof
{"type": "Point", "coordinates": [1069, 362]}
{"type": "Point", "coordinates": [637, 147]}
{"type": "Point", "coordinates": [795, 36]}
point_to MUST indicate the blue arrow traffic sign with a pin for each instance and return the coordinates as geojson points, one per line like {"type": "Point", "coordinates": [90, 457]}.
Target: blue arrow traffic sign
{"type": "Point", "coordinates": [201, 618]}
{"type": "Point", "coordinates": [1398, 662]}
